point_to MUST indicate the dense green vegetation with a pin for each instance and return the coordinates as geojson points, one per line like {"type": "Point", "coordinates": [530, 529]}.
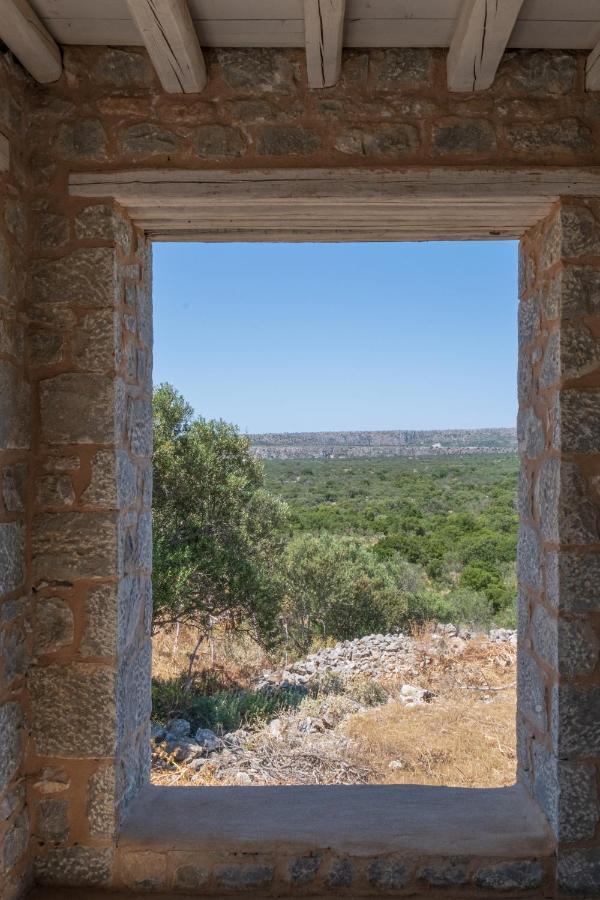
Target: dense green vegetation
{"type": "Point", "coordinates": [298, 552]}
{"type": "Point", "coordinates": [454, 519]}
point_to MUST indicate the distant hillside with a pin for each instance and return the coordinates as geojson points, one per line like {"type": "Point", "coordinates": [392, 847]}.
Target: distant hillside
{"type": "Point", "coordinates": [351, 444]}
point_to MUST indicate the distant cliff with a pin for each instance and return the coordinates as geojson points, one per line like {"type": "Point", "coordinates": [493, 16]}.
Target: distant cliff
{"type": "Point", "coordinates": [350, 444]}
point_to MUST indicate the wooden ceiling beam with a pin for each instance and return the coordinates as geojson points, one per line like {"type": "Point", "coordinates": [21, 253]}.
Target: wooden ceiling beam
{"type": "Point", "coordinates": [168, 32]}
{"type": "Point", "coordinates": [25, 35]}
{"type": "Point", "coordinates": [592, 70]}
{"type": "Point", "coordinates": [482, 32]}
{"type": "Point", "coordinates": [323, 36]}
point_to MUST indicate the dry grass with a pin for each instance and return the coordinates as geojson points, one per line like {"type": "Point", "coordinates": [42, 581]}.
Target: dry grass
{"type": "Point", "coordinates": [465, 738]}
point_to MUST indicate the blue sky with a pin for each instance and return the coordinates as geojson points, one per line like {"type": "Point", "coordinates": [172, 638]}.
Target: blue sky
{"type": "Point", "coordinates": [314, 337]}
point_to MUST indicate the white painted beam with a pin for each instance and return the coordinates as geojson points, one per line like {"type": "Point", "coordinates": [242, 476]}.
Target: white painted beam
{"type": "Point", "coordinates": [480, 38]}
{"type": "Point", "coordinates": [32, 44]}
{"type": "Point", "coordinates": [592, 70]}
{"type": "Point", "coordinates": [323, 35]}
{"type": "Point", "coordinates": [168, 32]}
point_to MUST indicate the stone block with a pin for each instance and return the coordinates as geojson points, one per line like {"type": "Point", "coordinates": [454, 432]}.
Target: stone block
{"type": "Point", "coordinates": [304, 869]}
{"type": "Point", "coordinates": [12, 800]}
{"type": "Point", "coordinates": [452, 872]}
{"type": "Point", "coordinates": [133, 691]}
{"type": "Point", "coordinates": [123, 68]}
{"type": "Point", "coordinates": [46, 348]}
{"type": "Point", "coordinates": [388, 874]}
{"type": "Point", "coordinates": [385, 140]}
{"type": "Point", "coordinates": [219, 142]}
{"type": "Point", "coordinates": [103, 222]}
{"type": "Point", "coordinates": [102, 489]}
{"type": "Point", "coordinates": [100, 631]}
{"type": "Point", "coordinates": [530, 433]}
{"type": "Point", "coordinates": [73, 710]}
{"type": "Point", "coordinates": [257, 70]}
{"type": "Point", "coordinates": [11, 724]}
{"type": "Point", "coordinates": [576, 720]}
{"type": "Point", "coordinates": [75, 867]}
{"type": "Point", "coordinates": [565, 510]}
{"type": "Point", "coordinates": [94, 343]}
{"type": "Point", "coordinates": [459, 137]}
{"type": "Point", "coordinates": [529, 321]}
{"type": "Point", "coordinates": [573, 581]}
{"type": "Point", "coordinates": [568, 645]}
{"type": "Point", "coordinates": [134, 610]}
{"type": "Point", "coordinates": [15, 842]}
{"type": "Point", "coordinates": [190, 877]}
{"type": "Point", "coordinates": [14, 658]}
{"type": "Point", "coordinates": [85, 277]}
{"type": "Point", "coordinates": [286, 140]}
{"type": "Point", "coordinates": [566, 793]}
{"type": "Point", "coordinates": [244, 877]}
{"type": "Point", "coordinates": [101, 803]}
{"type": "Point", "coordinates": [341, 874]}
{"type": "Point", "coordinates": [14, 487]}
{"type": "Point", "coordinates": [580, 291]}
{"type": "Point", "coordinates": [78, 409]}
{"type": "Point", "coordinates": [579, 422]}
{"type": "Point", "coordinates": [537, 72]}
{"type": "Point", "coordinates": [531, 690]}
{"type": "Point", "coordinates": [579, 350]}
{"type": "Point", "coordinates": [55, 490]}
{"type": "Point", "coordinates": [147, 139]}
{"type": "Point", "coordinates": [53, 820]}
{"type": "Point", "coordinates": [550, 370]}
{"type": "Point", "coordinates": [402, 67]}
{"type": "Point", "coordinates": [72, 545]}
{"type": "Point", "coordinates": [54, 625]}
{"type": "Point", "coordinates": [578, 871]}
{"type": "Point", "coordinates": [520, 875]}
{"type": "Point", "coordinates": [139, 426]}
{"type": "Point", "coordinates": [51, 230]}
{"type": "Point", "coordinates": [84, 139]}
{"type": "Point", "coordinates": [12, 548]}
{"type": "Point", "coordinates": [14, 408]}
{"type": "Point", "coordinates": [529, 566]}
{"type": "Point", "coordinates": [565, 136]}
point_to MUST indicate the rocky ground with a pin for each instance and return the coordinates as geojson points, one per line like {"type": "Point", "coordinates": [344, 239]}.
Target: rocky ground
{"type": "Point", "coordinates": [355, 712]}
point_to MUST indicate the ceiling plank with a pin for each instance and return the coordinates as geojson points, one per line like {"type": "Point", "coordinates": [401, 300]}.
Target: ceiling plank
{"type": "Point", "coordinates": [168, 32]}
{"type": "Point", "coordinates": [32, 44]}
{"type": "Point", "coordinates": [480, 38]}
{"type": "Point", "coordinates": [323, 34]}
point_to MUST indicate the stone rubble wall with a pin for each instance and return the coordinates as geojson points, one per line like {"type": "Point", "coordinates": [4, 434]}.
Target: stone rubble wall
{"type": "Point", "coordinates": [391, 107]}
{"type": "Point", "coordinates": [75, 428]}
{"type": "Point", "coordinates": [559, 544]}
{"type": "Point", "coordinates": [15, 487]}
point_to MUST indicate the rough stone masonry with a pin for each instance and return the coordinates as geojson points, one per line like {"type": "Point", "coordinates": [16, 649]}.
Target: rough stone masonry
{"type": "Point", "coordinates": [75, 416]}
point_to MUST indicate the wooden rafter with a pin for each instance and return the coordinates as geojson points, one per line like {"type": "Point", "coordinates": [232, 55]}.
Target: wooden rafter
{"type": "Point", "coordinates": [168, 32]}
{"type": "Point", "coordinates": [482, 32]}
{"type": "Point", "coordinates": [592, 70]}
{"type": "Point", "coordinates": [323, 30]}
{"type": "Point", "coordinates": [34, 47]}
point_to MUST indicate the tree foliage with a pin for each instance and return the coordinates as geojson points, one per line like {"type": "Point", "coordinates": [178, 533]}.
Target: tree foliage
{"type": "Point", "coordinates": [218, 534]}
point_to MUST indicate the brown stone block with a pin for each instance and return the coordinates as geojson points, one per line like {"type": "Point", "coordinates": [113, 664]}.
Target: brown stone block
{"type": "Point", "coordinates": [72, 545]}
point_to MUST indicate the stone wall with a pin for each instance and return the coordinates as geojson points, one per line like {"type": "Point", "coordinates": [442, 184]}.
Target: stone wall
{"type": "Point", "coordinates": [75, 426]}
{"type": "Point", "coordinates": [91, 339]}
{"type": "Point", "coordinates": [15, 493]}
{"type": "Point", "coordinates": [391, 107]}
{"type": "Point", "coordinates": [559, 562]}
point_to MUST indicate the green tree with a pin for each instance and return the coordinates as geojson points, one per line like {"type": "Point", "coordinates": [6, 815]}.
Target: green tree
{"type": "Point", "coordinates": [218, 534]}
{"type": "Point", "coordinates": [335, 587]}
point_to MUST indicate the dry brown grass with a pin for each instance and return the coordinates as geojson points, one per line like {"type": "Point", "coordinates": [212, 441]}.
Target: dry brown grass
{"type": "Point", "coordinates": [464, 738]}
{"type": "Point", "coordinates": [232, 658]}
